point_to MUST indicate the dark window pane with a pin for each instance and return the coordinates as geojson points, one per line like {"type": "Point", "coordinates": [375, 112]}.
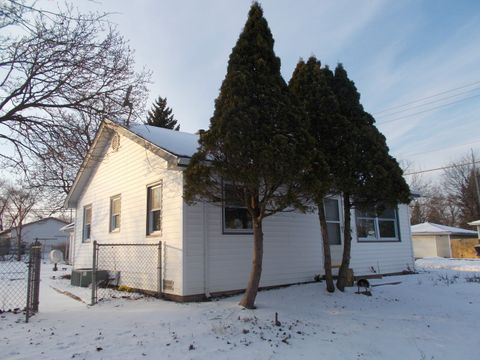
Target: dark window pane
{"type": "Point", "coordinates": [333, 230]}
{"type": "Point", "coordinates": [156, 220]}
{"type": "Point", "coordinates": [237, 219]}
{"type": "Point", "coordinates": [387, 228]}
{"type": "Point", "coordinates": [87, 221]}
{"type": "Point", "coordinates": [331, 209]}
{"type": "Point", "coordinates": [88, 215]}
{"type": "Point", "coordinates": [233, 196]}
{"type": "Point", "coordinates": [365, 213]}
{"type": "Point", "coordinates": [388, 213]}
{"type": "Point", "coordinates": [115, 222]}
{"type": "Point", "coordinates": [366, 229]}
{"type": "Point", "coordinates": [86, 232]}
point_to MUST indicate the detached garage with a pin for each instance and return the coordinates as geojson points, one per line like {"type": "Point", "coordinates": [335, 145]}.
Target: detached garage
{"type": "Point", "coordinates": [431, 239]}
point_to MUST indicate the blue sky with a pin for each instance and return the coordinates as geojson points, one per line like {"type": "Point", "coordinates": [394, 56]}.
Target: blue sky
{"type": "Point", "coordinates": [395, 51]}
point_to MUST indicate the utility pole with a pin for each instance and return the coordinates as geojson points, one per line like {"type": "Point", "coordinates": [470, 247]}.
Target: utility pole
{"type": "Point", "coordinates": [476, 179]}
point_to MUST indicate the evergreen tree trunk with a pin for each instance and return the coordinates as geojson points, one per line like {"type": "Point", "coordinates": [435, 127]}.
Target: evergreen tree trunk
{"type": "Point", "coordinates": [327, 258]}
{"type": "Point", "coordinates": [347, 244]}
{"type": "Point", "coordinates": [248, 300]}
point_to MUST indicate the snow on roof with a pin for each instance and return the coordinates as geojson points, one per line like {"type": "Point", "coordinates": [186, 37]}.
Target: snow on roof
{"type": "Point", "coordinates": [475, 223]}
{"type": "Point", "coordinates": [175, 142]}
{"type": "Point", "coordinates": [68, 227]}
{"type": "Point", "coordinates": [50, 218]}
{"type": "Point", "coordinates": [431, 228]}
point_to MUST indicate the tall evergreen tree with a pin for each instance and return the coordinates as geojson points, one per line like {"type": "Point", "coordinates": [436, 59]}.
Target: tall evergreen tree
{"type": "Point", "coordinates": [256, 140]}
{"type": "Point", "coordinates": [369, 176]}
{"type": "Point", "coordinates": [312, 87]}
{"type": "Point", "coordinates": [161, 115]}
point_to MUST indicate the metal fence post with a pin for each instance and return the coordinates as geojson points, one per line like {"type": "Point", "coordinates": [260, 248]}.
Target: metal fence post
{"type": "Point", "coordinates": [94, 274]}
{"type": "Point", "coordinates": [33, 280]}
{"type": "Point", "coordinates": [159, 266]}
{"type": "Point", "coordinates": [29, 287]}
{"type": "Point", "coordinates": [36, 286]}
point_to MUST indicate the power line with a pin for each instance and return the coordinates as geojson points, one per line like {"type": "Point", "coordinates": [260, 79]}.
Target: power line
{"type": "Point", "coordinates": [430, 102]}
{"type": "Point", "coordinates": [445, 148]}
{"type": "Point", "coordinates": [427, 110]}
{"type": "Point", "coordinates": [427, 97]}
{"type": "Point", "coordinates": [442, 168]}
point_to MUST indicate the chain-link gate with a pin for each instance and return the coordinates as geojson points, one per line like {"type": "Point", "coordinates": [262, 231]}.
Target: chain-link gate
{"type": "Point", "coordinates": [20, 280]}
{"type": "Point", "coordinates": [121, 268]}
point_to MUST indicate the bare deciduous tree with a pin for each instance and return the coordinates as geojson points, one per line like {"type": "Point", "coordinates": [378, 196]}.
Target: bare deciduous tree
{"type": "Point", "coordinates": [61, 73]}
{"type": "Point", "coordinates": [459, 184]}
{"type": "Point", "coordinates": [452, 201]}
{"type": "Point", "coordinates": [18, 203]}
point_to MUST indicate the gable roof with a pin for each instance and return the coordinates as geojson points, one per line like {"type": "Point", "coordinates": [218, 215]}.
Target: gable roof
{"type": "Point", "coordinates": [177, 143]}
{"type": "Point", "coordinates": [51, 218]}
{"type": "Point", "coordinates": [437, 229]}
{"type": "Point", "coordinates": [174, 146]}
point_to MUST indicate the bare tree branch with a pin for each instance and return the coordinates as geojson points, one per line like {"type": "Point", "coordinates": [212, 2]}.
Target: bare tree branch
{"type": "Point", "coordinates": [61, 73]}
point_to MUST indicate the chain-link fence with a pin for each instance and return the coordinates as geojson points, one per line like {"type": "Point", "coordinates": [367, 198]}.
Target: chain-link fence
{"type": "Point", "coordinates": [119, 269]}
{"type": "Point", "coordinates": [33, 280]}
{"type": "Point", "coordinates": [20, 281]}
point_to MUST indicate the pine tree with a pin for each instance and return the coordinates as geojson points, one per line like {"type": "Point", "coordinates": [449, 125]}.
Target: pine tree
{"type": "Point", "coordinates": [256, 140]}
{"type": "Point", "coordinates": [312, 87]}
{"type": "Point", "coordinates": [161, 115]}
{"type": "Point", "coordinates": [368, 176]}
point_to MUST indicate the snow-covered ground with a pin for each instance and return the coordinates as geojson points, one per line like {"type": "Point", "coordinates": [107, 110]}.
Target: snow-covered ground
{"type": "Point", "coordinates": [430, 315]}
{"type": "Point", "coordinates": [435, 263]}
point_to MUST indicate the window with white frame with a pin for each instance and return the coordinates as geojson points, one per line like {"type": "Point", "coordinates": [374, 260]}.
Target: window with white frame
{"type": "Point", "coordinates": [236, 218]}
{"type": "Point", "coordinates": [115, 211]}
{"type": "Point", "coordinates": [87, 223]}
{"type": "Point", "coordinates": [154, 209]}
{"type": "Point", "coordinates": [373, 226]}
{"type": "Point", "coordinates": [332, 214]}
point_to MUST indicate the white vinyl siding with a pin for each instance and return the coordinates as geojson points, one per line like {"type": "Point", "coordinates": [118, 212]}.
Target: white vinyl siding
{"type": "Point", "coordinates": [292, 251]}
{"type": "Point", "coordinates": [129, 171]}
{"type": "Point", "coordinates": [196, 255]}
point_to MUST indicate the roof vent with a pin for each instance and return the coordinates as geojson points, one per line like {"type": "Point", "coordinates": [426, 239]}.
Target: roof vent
{"type": "Point", "coordinates": [115, 142]}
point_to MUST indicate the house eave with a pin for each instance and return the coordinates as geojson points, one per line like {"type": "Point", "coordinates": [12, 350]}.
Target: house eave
{"type": "Point", "coordinates": [107, 127]}
{"type": "Point", "coordinates": [442, 233]}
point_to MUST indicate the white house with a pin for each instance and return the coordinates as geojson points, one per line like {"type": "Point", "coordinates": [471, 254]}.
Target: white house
{"type": "Point", "coordinates": [477, 224]}
{"type": "Point", "coordinates": [130, 189]}
{"type": "Point", "coordinates": [431, 239]}
{"type": "Point", "coordinates": [68, 230]}
{"type": "Point", "coordinates": [46, 231]}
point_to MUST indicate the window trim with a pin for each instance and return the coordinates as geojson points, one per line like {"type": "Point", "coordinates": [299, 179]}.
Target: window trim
{"type": "Point", "coordinates": [226, 231]}
{"type": "Point", "coordinates": [148, 231]}
{"type": "Point", "coordinates": [340, 217]}
{"type": "Point", "coordinates": [84, 238]}
{"type": "Point", "coordinates": [112, 199]}
{"type": "Point", "coordinates": [378, 239]}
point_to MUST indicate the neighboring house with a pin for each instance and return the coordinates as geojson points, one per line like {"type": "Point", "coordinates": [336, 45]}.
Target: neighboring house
{"type": "Point", "coordinates": [431, 239]}
{"type": "Point", "coordinates": [47, 231]}
{"type": "Point", "coordinates": [130, 190]}
{"type": "Point", "coordinates": [69, 231]}
{"type": "Point", "coordinates": [477, 224]}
